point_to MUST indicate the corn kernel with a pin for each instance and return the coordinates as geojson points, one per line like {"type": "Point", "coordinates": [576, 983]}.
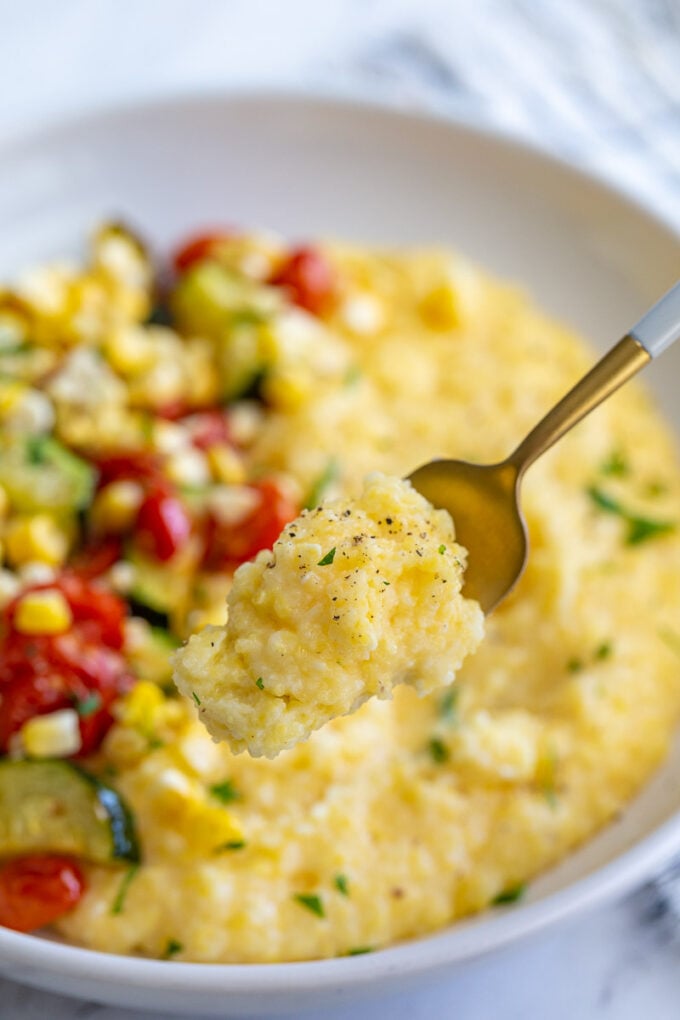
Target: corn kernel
{"type": "Point", "coordinates": [226, 465]}
{"type": "Point", "coordinates": [4, 503]}
{"type": "Point", "coordinates": [10, 586]}
{"type": "Point", "coordinates": [128, 350]}
{"type": "Point", "coordinates": [287, 391]}
{"type": "Point", "coordinates": [188, 467]}
{"type": "Point", "coordinates": [139, 709]}
{"type": "Point", "coordinates": [116, 506]}
{"type": "Point", "coordinates": [56, 735]}
{"type": "Point", "coordinates": [440, 307]}
{"type": "Point", "coordinates": [43, 612]}
{"type": "Point", "coordinates": [11, 395]}
{"type": "Point", "coordinates": [38, 537]}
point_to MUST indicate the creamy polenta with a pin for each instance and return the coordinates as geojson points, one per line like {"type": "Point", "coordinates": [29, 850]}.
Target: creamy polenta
{"type": "Point", "coordinates": [149, 451]}
{"type": "Point", "coordinates": [356, 596]}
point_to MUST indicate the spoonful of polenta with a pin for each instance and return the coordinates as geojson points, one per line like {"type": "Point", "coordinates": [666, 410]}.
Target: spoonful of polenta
{"type": "Point", "coordinates": [360, 595]}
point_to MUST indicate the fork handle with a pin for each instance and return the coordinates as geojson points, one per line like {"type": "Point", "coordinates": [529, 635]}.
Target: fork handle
{"type": "Point", "coordinates": [655, 331]}
{"type": "Point", "coordinates": [660, 326]}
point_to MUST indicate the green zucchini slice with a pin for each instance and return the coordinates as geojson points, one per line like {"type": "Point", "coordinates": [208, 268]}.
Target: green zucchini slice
{"type": "Point", "coordinates": [54, 806]}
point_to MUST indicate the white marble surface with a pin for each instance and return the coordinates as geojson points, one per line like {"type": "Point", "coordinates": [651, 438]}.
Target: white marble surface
{"type": "Point", "coordinates": [595, 80]}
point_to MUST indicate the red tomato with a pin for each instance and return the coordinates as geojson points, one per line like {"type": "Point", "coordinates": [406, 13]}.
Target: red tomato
{"type": "Point", "coordinates": [310, 278]}
{"type": "Point", "coordinates": [43, 673]}
{"type": "Point", "coordinates": [95, 558]}
{"type": "Point", "coordinates": [203, 246]}
{"type": "Point", "coordinates": [208, 428]}
{"type": "Point", "coordinates": [100, 613]}
{"type": "Point", "coordinates": [230, 545]}
{"type": "Point", "coordinates": [138, 466]}
{"type": "Point", "coordinates": [38, 889]}
{"type": "Point", "coordinates": [163, 524]}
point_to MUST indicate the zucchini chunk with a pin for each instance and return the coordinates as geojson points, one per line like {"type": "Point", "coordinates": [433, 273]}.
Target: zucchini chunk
{"type": "Point", "coordinates": [54, 806]}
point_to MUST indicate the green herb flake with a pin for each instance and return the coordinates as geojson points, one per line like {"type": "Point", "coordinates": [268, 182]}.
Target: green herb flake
{"type": "Point", "coordinates": [341, 883]}
{"type": "Point", "coordinates": [442, 549]}
{"type": "Point", "coordinates": [196, 698]}
{"type": "Point", "coordinates": [352, 376]}
{"type": "Point", "coordinates": [574, 664]}
{"type": "Point", "coordinates": [615, 465]}
{"type": "Point", "coordinates": [86, 707]}
{"type": "Point", "coordinates": [604, 651]}
{"type": "Point", "coordinates": [321, 484]}
{"type": "Point", "coordinates": [172, 947]}
{"type": "Point", "coordinates": [119, 901]}
{"type": "Point", "coordinates": [655, 489]}
{"type": "Point", "coordinates": [640, 529]}
{"type": "Point", "coordinates": [360, 950]}
{"type": "Point", "coordinates": [448, 704]}
{"type": "Point", "coordinates": [231, 844]}
{"type": "Point", "coordinates": [225, 792]}
{"type": "Point", "coordinates": [604, 502]}
{"type": "Point", "coordinates": [311, 902]}
{"type": "Point", "coordinates": [387, 583]}
{"type": "Point", "coordinates": [439, 752]}
{"type": "Point", "coordinates": [511, 895]}
{"type": "Point", "coordinates": [260, 683]}
{"type": "Point", "coordinates": [326, 560]}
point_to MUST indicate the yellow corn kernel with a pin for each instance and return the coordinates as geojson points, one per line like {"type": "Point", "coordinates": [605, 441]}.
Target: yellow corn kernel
{"type": "Point", "coordinates": [129, 351]}
{"type": "Point", "coordinates": [226, 465]}
{"type": "Point", "coordinates": [440, 307]}
{"type": "Point", "coordinates": [182, 803]}
{"type": "Point", "coordinates": [115, 507]}
{"type": "Point", "coordinates": [4, 503]}
{"type": "Point", "coordinates": [288, 391]}
{"type": "Point", "coordinates": [43, 612]}
{"type": "Point", "coordinates": [38, 537]}
{"type": "Point", "coordinates": [11, 393]}
{"type": "Point", "coordinates": [139, 710]}
{"type": "Point", "coordinates": [56, 735]}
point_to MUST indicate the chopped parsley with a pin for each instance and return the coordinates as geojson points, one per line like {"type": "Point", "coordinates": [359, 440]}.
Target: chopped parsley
{"type": "Point", "coordinates": [442, 549]}
{"type": "Point", "coordinates": [615, 465]}
{"type": "Point", "coordinates": [387, 583]}
{"type": "Point", "coordinates": [311, 902]}
{"type": "Point", "coordinates": [360, 950]}
{"type": "Point", "coordinates": [231, 844]}
{"type": "Point", "coordinates": [448, 704]}
{"type": "Point", "coordinates": [260, 683]}
{"type": "Point", "coordinates": [439, 752]}
{"type": "Point", "coordinates": [321, 484]}
{"type": "Point", "coordinates": [326, 560]}
{"type": "Point", "coordinates": [196, 698]}
{"type": "Point", "coordinates": [574, 664]}
{"type": "Point", "coordinates": [225, 792]}
{"type": "Point", "coordinates": [86, 707]}
{"type": "Point", "coordinates": [655, 489]}
{"type": "Point", "coordinates": [341, 883]}
{"type": "Point", "coordinates": [604, 651]}
{"type": "Point", "coordinates": [640, 529]}
{"type": "Point", "coordinates": [511, 895]}
{"type": "Point", "coordinates": [119, 901]}
{"type": "Point", "coordinates": [172, 947]}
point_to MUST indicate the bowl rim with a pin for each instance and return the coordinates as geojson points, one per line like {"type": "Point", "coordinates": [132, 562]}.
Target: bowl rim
{"type": "Point", "coordinates": [458, 942]}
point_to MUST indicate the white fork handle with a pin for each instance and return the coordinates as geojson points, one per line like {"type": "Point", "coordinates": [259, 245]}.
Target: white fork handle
{"type": "Point", "coordinates": [660, 326]}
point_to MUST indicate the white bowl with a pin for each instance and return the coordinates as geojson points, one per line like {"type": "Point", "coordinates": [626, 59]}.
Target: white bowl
{"type": "Point", "coordinates": [312, 167]}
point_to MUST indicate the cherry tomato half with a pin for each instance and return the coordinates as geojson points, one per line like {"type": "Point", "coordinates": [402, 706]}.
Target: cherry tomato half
{"type": "Point", "coordinates": [38, 889]}
{"type": "Point", "coordinates": [310, 279]}
{"type": "Point", "coordinates": [203, 246]}
{"type": "Point", "coordinates": [228, 545]}
{"type": "Point", "coordinates": [163, 524]}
